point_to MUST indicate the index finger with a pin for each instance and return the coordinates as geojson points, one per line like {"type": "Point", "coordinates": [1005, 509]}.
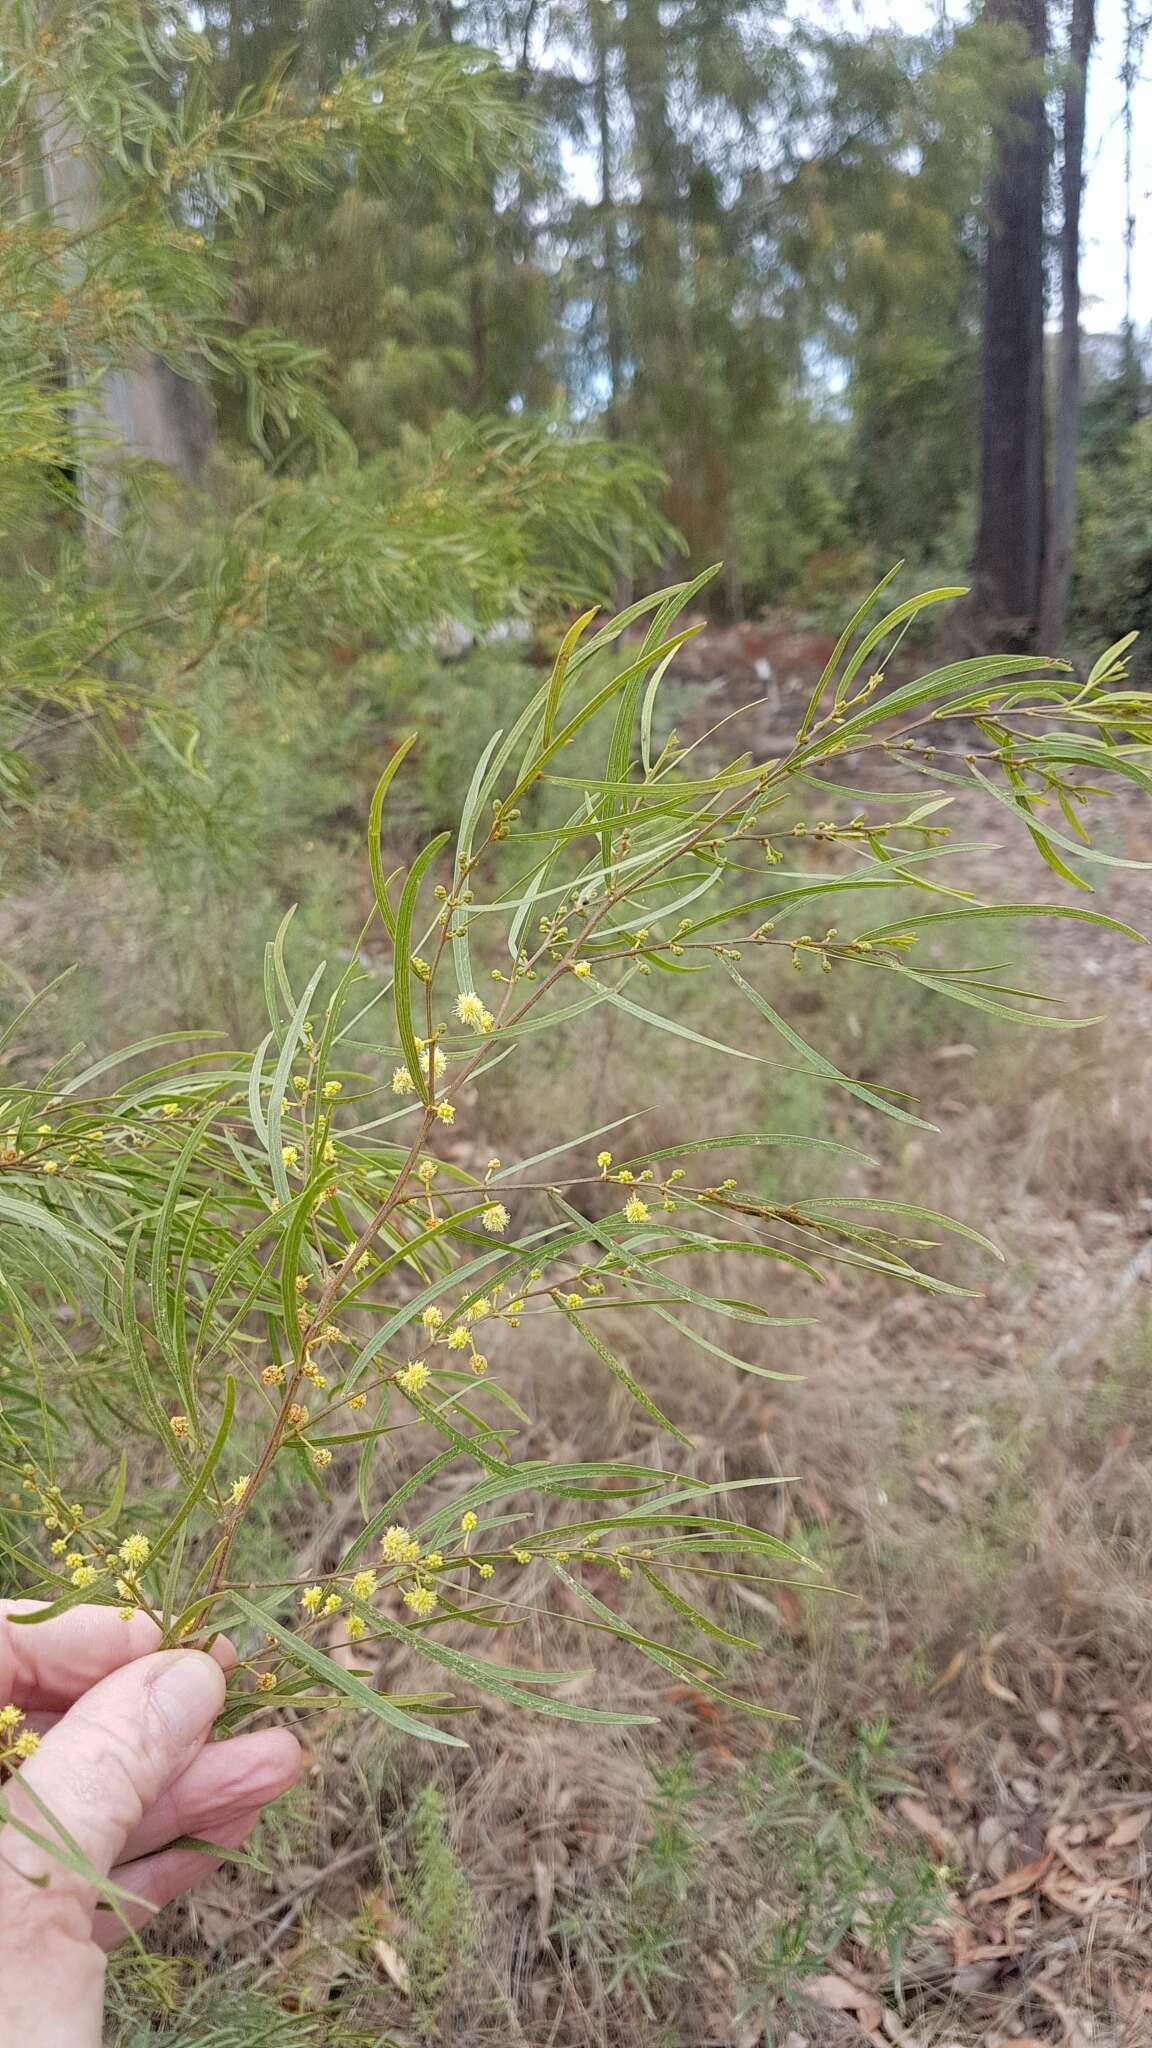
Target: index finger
{"type": "Point", "coordinates": [45, 1666]}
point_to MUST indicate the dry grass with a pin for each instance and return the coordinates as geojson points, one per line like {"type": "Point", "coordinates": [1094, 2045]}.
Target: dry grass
{"type": "Point", "coordinates": [973, 1482]}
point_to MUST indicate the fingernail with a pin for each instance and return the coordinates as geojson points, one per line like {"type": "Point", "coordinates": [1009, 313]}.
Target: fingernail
{"type": "Point", "coordinates": [188, 1689]}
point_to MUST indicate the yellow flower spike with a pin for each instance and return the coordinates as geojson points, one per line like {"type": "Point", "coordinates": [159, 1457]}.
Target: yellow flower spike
{"type": "Point", "coordinates": [522, 1556]}
{"type": "Point", "coordinates": [636, 1211]}
{"type": "Point", "coordinates": [445, 1113]}
{"type": "Point", "coordinates": [289, 1154]}
{"type": "Point", "coordinates": [432, 1318]}
{"type": "Point", "coordinates": [85, 1575]}
{"type": "Point", "coordinates": [478, 1364]}
{"type": "Point", "coordinates": [358, 1401]}
{"type": "Point", "coordinates": [322, 1458]}
{"type": "Point", "coordinates": [329, 1153]}
{"type": "Point", "coordinates": [302, 1282]}
{"type": "Point", "coordinates": [485, 1571]}
{"type": "Point", "coordinates": [402, 1082]}
{"type": "Point", "coordinates": [10, 1717]}
{"type": "Point", "coordinates": [297, 1415]}
{"type": "Point", "coordinates": [74, 1558]}
{"type": "Point", "coordinates": [332, 1604]}
{"type": "Point", "coordinates": [458, 1339]}
{"type": "Point", "coordinates": [60, 1546]}
{"type": "Point", "coordinates": [356, 1628]}
{"type": "Point", "coordinates": [603, 1161]}
{"type": "Point", "coordinates": [434, 1561]}
{"type": "Point", "coordinates": [312, 1599]}
{"type": "Point", "coordinates": [25, 1745]}
{"type": "Point", "coordinates": [266, 1681]}
{"type": "Point", "coordinates": [273, 1376]}
{"type": "Point", "coordinates": [239, 1489]}
{"type": "Point", "coordinates": [494, 1219]}
{"type": "Point", "coordinates": [332, 1088]}
{"type": "Point", "coordinates": [413, 1377]}
{"type": "Point", "coordinates": [421, 1599]}
{"type": "Point", "coordinates": [581, 969]}
{"type": "Point", "coordinates": [135, 1551]}
{"type": "Point", "coordinates": [363, 1585]}
{"type": "Point", "coordinates": [573, 1301]}
{"type": "Point", "coordinates": [468, 1522]}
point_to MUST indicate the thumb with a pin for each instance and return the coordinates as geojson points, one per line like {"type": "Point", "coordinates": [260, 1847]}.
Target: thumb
{"type": "Point", "coordinates": [93, 1777]}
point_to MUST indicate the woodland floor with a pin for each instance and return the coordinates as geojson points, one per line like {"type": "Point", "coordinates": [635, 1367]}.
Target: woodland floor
{"type": "Point", "coordinates": [975, 1477]}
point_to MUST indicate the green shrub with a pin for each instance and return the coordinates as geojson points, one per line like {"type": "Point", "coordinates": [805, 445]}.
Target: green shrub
{"type": "Point", "coordinates": [234, 1280]}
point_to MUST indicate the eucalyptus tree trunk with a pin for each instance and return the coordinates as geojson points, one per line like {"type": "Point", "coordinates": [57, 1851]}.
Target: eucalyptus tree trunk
{"type": "Point", "coordinates": [601, 24]}
{"type": "Point", "coordinates": [1066, 410]}
{"type": "Point", "coordinates": [659, 256]}
{"type": "Point", "coordinates": [140, 410]}
{"type": "Point", "coordinates": [1009, 555]}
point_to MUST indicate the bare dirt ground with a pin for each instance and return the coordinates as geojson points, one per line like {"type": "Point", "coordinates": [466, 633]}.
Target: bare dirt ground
{"type": "Point", "coordinates": [975, 1475]}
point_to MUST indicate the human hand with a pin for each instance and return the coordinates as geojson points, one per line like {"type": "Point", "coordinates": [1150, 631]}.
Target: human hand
{"type": "Point", "coordinates": [124, 1767]}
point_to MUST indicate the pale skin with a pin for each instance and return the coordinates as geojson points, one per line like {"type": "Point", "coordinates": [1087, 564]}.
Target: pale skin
{"type": "Point", "coordinates": [125, 1766]}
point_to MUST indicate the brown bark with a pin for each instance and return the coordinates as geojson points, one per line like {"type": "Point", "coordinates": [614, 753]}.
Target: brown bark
{"type": "Point", "coordinates": [1010, 539]}
{"type": "Point", "coordinates": [1066, 413]}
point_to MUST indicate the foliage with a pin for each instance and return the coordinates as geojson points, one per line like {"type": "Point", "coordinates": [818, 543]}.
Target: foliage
{"type": "Point", "coordinates": [747, 241]}
{"type": "Point", "coordinates": [1114, 564]}
{"type": "Point", "coordinates": [284, 563]}
{"type": "Point", "coordinates": [435, 1898]}
{"type": "Point", "coordinates": [297, 1279]}
{"type": "Point", "coordinates": [805, 1839]}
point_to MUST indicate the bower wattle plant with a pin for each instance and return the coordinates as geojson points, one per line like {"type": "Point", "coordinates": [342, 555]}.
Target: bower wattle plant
{"type": "Point", "coordinates": [234, 1279]}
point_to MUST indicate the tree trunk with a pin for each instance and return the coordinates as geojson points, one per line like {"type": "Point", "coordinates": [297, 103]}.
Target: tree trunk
{"type": "Point", "coordinates": [658, 254]}
{"type": "Point", "coordinates": [1066, 416]}
{"type": "Point", "coordinates": [140, 410]}
{"type": "Point", "coordinates": [609, 224]}
{"type": "Point", "coordinates": [1010, 539]}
